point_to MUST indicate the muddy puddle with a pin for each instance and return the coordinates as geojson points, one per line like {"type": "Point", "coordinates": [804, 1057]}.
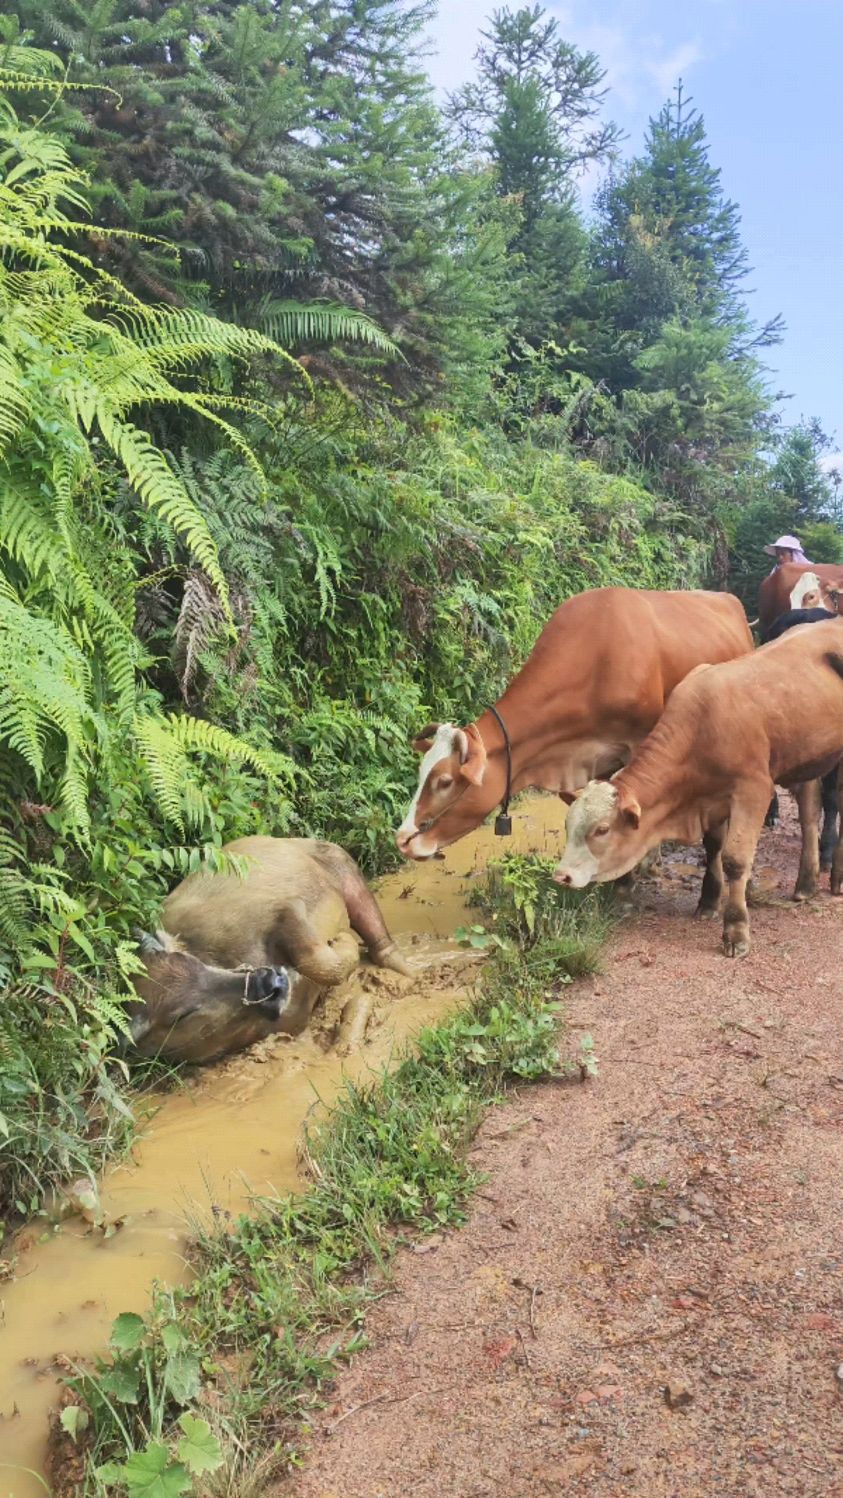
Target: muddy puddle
{"type": "Point", "coordinates": [230, 1133]}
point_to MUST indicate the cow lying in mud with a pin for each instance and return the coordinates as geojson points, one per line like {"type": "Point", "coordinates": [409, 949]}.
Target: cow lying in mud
{"type": "Point", "coordinates": [240, 959]}
{"type": "Point", "coordinates": [594, 685]}
{"type": "Point", "coordinates": [728, 733]}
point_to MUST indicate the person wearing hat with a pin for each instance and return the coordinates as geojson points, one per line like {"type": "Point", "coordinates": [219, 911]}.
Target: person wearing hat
{"type": "Point", "coordinates": [786, 549]}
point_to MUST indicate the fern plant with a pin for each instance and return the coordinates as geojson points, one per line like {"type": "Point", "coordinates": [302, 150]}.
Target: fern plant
{"type": "Point", "coordinates": [83, 365]}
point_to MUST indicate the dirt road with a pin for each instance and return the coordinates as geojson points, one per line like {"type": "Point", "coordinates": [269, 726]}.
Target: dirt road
{"type": "Point", "coordinates": [675, 1225]}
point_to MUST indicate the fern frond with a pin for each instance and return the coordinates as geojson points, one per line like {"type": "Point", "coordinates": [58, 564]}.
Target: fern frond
{"type": "Point", "coordinates": [14, 402]}
{"type": "Point", "coordinates": [321, 322]}
{"type": "Point", "coordinates": [200, 618]}
{"type": "Point", "coordinates": [155, 483]}
{"type": "Point", "coordinates": [196, 734]}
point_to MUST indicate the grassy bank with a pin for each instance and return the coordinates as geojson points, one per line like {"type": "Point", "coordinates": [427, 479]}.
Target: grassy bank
{"type": "Point", "coordinates": [213, 1390]}
{"type": "Point", "coordinates": [403, 579]}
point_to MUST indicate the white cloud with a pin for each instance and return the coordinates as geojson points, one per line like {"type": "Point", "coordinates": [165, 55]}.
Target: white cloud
{"type": "Point", "coordinates": [676, 64]}
{"type": "Point", "coordinates": [832, 460]}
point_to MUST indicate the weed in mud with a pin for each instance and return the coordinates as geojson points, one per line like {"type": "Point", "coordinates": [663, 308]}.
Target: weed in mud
{"type": "Point", "coordinates": [279, 1298]}
{"type": "Point", "coordinates": [521, 898]}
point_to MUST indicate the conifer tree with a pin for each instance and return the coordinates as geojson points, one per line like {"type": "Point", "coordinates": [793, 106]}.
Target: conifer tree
{"type": "Point", "coordinates": [292, 153]}
{"type": "Point", "coordinates": [533, 114]}
{"type": "Point", "coordinates": [672, 337]}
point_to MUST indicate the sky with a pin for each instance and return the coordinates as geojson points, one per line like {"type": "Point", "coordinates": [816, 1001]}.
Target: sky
{"type": "Point", "coordinates": [766, 75]}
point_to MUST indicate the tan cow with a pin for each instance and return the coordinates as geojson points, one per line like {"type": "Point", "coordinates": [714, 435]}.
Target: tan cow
{"type": "Point", "coordinates": [597, 679]}
{"type": "Point", "coordinates": [240, 959]}
{"type": "Point", "coordinates": [728, 733]}
{"type": "Point", "coordinates": [777, 590]}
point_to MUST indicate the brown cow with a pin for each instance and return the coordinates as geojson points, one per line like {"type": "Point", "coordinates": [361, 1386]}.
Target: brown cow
{"type": "Point", "coordinates": [707, 769]}
{"type": "Point", "coordinates": [774, 595]}
{"type": "Point", "coordinates": [596, 681]}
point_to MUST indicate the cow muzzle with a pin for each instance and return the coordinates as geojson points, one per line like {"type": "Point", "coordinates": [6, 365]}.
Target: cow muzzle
{"type": "Point", "coordinates": [267, 989]}
{"type": "Point", "coordinates": [571, 878]}
{"type": "Point", "coordinates": [415, 845]}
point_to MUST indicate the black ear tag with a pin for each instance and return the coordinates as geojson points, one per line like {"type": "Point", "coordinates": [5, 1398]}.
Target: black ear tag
{"type": "Point", "coordinates": [503, 826]}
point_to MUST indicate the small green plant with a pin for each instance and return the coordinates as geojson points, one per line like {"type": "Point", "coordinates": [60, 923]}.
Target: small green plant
{"type": "Point", "coordinates": [478, 937]}
{"type": "Point", "coordinates": [134, 1404]}
{"type": "Point", "coordinates": [521, 897]}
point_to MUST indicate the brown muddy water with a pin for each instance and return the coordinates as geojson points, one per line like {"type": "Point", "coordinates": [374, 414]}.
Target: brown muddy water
{"type": "Point", "coordinates": [232, 1132]}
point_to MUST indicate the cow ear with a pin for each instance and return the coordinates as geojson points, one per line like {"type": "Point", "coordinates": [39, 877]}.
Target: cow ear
{"type": "Point", "coordinates": [148, 943]}
{"type": "Point", "coordinates": [472, 752]}
{"type": "Point", "coordinates": [569, 797]}
{"type": "Point", "coordinates": [424, 740]}
{"type": "Point", "coordinates": [629, 808]}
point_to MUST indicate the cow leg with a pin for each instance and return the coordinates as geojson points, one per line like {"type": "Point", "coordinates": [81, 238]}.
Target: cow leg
{"type": "Point", "coordinates": [712, 886]}
{"type": "Point", "coordinates": [772, 816]}
{"type": "Point", "coordinates": [364, 914]}
{"type": "Point", "coordinates": [324, 962]}
{"type": "Point", "coordinates": [837, 863]}
{"type": "Point", "coordinates": [739, 845]}
{"type": "Point", "coordinates": [808, 800]}
{"type": "Point", "coordinates": [828, 841]}
{"type": "Point", "coordinates": [623, 890]}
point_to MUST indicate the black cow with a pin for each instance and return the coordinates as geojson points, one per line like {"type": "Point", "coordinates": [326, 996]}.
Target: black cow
{"type": "Point", "coordinates": [828, 839]}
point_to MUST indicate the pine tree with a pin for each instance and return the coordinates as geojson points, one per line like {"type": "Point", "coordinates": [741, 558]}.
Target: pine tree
{"type": "Point", "coordinates": [291, 152]}
{"type": "Point", "coordinates": [668, 238]}
{"type": "Point", "coordinates": [672, 337]}
{"type": "Point", "coordinates": [797, 473]}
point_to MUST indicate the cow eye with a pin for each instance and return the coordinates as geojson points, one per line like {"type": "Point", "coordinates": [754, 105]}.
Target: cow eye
{"type": "Point", "coordinates": [445, 782]}
{"type": "Point", "coordinates": [602, 830]}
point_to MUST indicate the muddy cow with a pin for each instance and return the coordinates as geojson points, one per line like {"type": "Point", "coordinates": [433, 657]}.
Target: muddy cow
{"type": "Point", "coordinates": [241, 958]}
{"type": "Point", "coordinates": [597, 679]}
{"type": "Point", "coordinates": [727, 735]}
{"type": "Point", "coordinates": [780, 590]}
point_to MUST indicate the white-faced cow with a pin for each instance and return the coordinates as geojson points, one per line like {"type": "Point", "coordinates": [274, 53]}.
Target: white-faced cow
{"type": "Point", "coordinates": [727, 735]}
{"type": "Point", "coordinates": [593, 687]}
{"type": "Point", "coordinates": [781, 589]}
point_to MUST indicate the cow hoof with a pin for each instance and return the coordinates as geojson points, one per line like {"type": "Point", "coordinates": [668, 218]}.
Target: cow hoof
{"type": "Point", "coordinates": [707, 912]}
{"type": "Point", "coordinates": [391, 958]}
{"type": "Point", "coordinates": [805, 893]}
{"type": "Point", "coordinates": [739, 948]}
{"type": "Point", "coordinates": [837, 887]}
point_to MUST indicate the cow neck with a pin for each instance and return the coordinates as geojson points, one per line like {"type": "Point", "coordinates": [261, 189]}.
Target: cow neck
{"type": "Point", "coordinates": [662, 777]}
{"type": "Point", "coordinates": [531, 735]}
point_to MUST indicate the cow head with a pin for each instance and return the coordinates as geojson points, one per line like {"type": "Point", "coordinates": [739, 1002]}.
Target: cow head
{"type": "Point", "coordinates": [449, 801]}
{"type": "Point", "coordinates": [189, 1011]}
{"type": "Point", "coordinates": [806, 592]}
{"type": "Point", "coordinates": [604, 835]}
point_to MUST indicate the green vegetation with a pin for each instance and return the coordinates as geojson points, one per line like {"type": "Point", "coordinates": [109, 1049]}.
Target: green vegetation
{"type": "Point", "coordinates": [239, 1360]}
{"type": "Point", "coordinates": [233, 581]}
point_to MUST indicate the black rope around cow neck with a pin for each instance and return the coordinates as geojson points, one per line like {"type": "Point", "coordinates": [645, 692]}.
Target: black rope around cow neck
{"type": "Point", "coordinates": [503, 821]}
